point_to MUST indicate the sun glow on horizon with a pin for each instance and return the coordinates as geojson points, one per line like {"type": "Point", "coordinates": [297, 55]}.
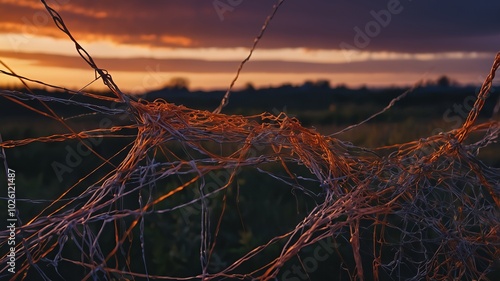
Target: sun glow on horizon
{"type": "Point", "coordinates": [23, 43]}
{"type": "Point", "coordinates": [153, 77]}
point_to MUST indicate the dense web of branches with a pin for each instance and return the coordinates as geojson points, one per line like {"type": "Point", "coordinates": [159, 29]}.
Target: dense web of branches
{"type": "Point", "coordinates": [427, 208]}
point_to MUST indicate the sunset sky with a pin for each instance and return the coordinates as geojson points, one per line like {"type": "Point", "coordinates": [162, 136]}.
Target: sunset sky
{"type": "Point", "coordinates": [143, 44]}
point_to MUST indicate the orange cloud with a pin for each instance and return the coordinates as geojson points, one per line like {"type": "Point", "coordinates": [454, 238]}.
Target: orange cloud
{"type": "Point", "coordinates": [442, 65]}
{"type": "Point", "coordinates": [176, 40]}
{"type": "Point", "coordinates": [24, 3]}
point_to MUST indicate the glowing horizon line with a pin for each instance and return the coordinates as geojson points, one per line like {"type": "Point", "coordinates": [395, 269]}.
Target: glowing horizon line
{"type": "Point", "coordinates": [107, 49]}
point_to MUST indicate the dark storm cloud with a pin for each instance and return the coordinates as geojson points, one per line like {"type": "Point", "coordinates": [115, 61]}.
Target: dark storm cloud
{"type": "Point", "coordinates": [413, 26]}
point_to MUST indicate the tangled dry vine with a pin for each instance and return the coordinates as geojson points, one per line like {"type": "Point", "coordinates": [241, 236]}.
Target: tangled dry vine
{"type": "Point", "coordinates": [428, 207]}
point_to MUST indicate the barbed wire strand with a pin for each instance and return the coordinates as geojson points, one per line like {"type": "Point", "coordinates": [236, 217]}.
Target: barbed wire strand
{"type": "Point", "coordinates": [225, 99]}
{"type": "Point", "coordinates": [418, 203]}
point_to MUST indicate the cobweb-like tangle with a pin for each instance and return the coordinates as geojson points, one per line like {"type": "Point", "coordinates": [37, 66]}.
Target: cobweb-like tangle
{"type": "Point", "coordinates": [427, 209]}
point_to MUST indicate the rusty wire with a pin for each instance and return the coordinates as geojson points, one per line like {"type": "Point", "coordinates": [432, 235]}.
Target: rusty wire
{"type": "Point", "coordinates": [432, 192]}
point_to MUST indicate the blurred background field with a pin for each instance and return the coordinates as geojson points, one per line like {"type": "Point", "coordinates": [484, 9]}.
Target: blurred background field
{"type": "Point", "coordinates": [426, 111]}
